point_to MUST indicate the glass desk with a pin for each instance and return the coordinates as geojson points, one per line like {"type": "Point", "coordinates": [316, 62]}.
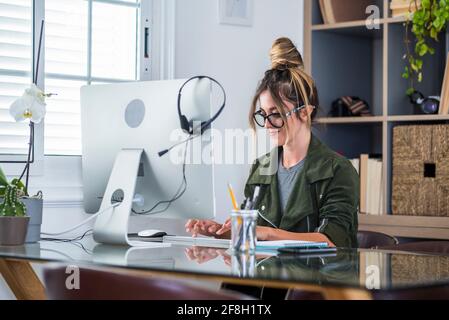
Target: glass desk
{"type": "Point", "coordinates": [348, 273]}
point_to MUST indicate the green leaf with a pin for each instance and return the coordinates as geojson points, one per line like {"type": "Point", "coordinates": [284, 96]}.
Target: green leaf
{"type": "Point", "coordinates": [410, 91]}
{"type": "Point", "coordinates": [419, 63]}
{"type": "Point", "coordinates": [423, 50]}
{"type": "Point", "coordinates": [3, 180]}
{"type": "Point", "coordinates": [434, 34]}
{"type": "Point", "coordinates": [20, 186]}
{"type": "Point", "coordinates": [426, 4]}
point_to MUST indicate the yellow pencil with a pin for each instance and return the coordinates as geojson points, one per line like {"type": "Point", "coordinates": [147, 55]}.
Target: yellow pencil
{"type": "Point", "coordinates": [231, 193]}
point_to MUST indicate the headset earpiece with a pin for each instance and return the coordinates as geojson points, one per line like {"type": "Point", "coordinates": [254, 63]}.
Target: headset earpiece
{"type": "Point", "coordinates": [185, 125]}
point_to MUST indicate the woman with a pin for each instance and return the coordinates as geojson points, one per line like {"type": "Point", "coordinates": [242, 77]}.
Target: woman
{"type": "Point", "coordinates": [313, 195]}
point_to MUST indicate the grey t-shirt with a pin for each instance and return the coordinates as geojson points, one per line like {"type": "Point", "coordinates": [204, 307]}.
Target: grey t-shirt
{"type": "Point", "coordinates": [286, 180]}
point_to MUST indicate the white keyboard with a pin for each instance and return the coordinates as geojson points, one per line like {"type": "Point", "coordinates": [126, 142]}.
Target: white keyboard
{"type": "Point", "coordinates": [147, 244]}
{"type": "Point", "coordinates": [199, 241]}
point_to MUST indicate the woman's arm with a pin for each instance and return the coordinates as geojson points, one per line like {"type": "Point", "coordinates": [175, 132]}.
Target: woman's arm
{"type": "Point", "coordinates": [271, 234]}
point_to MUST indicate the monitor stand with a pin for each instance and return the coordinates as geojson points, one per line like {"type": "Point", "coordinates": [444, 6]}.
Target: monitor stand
{"type": "Point", "coordinates": [111, 226]}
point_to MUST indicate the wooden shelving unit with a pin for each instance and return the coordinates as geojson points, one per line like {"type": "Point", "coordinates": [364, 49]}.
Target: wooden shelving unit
{"type": "Point", "coordinates": [350, 120]}
{"type": "Point", "coordinates": [348, 58]}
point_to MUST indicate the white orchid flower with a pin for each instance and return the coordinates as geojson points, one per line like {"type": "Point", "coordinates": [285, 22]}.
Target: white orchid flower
{"type": "Point", "coordinates": [31, 105]}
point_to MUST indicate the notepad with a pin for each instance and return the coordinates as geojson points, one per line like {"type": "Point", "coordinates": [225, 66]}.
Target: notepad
{"type": "Point", "coordinates": [198, 241]}
{"type": "Point", "coordinates": [274, 245]}
{"type": "Point", "coordinates": [225, 243]}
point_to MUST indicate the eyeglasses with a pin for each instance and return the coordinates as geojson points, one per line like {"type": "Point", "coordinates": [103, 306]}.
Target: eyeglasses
{"type": "Point", "coordinates": [275, 119]}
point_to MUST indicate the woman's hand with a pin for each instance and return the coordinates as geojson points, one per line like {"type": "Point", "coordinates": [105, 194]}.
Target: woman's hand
{"type": "Point", "coordinates": [203, 254]}
{"type": "Point", "coordinates": [203, 227]}
{"type": "Point", "coordinates": [208, 228]}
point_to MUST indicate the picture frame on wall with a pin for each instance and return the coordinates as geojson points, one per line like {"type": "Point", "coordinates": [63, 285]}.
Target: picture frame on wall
{"type": "Point", "coordinates": [236, 12]}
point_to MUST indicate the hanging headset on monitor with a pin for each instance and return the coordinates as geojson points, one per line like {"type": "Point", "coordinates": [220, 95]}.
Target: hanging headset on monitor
{"type": "Point", "coordinates": [187, 127]}
{"type": "Point", "coordinates": [186, 124]}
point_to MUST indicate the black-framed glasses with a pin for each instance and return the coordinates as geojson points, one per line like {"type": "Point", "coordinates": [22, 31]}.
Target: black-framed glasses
{"type": "Point", "coordinates": [275, 119]}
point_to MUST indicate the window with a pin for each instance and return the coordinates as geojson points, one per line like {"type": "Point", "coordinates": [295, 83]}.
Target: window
{"type": "Point", "coordinates": [16, 44]}
{"type": "Point", "coordinates": [86, 42]}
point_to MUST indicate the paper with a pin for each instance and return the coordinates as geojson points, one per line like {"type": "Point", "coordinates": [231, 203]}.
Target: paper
{"type": "Point", "coordinates": [287, 243]}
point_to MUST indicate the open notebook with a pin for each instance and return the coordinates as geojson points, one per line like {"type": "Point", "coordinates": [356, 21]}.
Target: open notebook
{"type": "Point", "coordinates": [273, 245]}
{"type": "Point", "coordinates": [224, 243]}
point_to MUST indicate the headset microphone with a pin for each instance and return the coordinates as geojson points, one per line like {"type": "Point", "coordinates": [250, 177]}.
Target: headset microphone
{"type": "Point", "coordinates": [163, 152]}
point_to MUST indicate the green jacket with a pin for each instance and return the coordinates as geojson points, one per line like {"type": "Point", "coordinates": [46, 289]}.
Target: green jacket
{"type": "Point", "coordinates": [324, 199]}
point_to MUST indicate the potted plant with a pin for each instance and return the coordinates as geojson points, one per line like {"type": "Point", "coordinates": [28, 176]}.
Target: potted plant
{"type": "Point", "coordinates": [426, 23]}
{"type": "Point", "coordinates": [13, 218]}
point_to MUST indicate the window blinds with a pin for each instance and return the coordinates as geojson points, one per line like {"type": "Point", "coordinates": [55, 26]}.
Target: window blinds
{"type": "Point", "coordinates": [87, 42]}
{"type": "Point", "coordinates": [15, 70]}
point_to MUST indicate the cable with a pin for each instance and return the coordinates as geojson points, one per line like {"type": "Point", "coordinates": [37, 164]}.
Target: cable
{"type": "Point", "coordinates": [82, 223]}
{"type": "Point", "coordinates": [178, 194]}
{"type": "Point", "coordinates": [74, 241]}
{"type": "Point", "coordinates": [79, 238]}
{"type": "Point", "coordinates": [262, 216]}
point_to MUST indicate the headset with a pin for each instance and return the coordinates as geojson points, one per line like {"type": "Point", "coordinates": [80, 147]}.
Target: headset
{"type": "Point", "coordinates": [186, 124]}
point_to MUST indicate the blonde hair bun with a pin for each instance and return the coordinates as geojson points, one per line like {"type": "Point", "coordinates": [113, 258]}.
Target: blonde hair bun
{"type": "Point", "coordinates": [284, 55]}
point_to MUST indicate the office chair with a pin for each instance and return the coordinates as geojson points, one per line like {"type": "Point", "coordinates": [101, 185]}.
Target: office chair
{"type": "Point", "coordinates": [98, 284]}
{"type": "Point", "coordinates": [374, 240]}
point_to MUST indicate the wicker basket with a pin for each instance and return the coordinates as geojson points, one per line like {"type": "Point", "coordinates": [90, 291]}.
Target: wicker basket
{"type": "Point", "coordinates": [420, 184]}
{"type": "Point", "coordinates": [411, 269]}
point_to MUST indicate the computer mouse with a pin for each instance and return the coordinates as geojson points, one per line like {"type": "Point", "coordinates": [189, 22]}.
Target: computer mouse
{"type": "Point", "coordinates": [151, 233]}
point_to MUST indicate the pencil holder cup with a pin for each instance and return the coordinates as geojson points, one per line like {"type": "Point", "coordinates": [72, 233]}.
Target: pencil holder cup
{"type": "Point", "coordinates": [243, 264]}
{"type": "Point", "coordinates": [243, 231]}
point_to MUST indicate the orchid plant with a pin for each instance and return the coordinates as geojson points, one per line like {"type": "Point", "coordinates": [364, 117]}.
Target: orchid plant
{"type": "Point", "coordinates": [30, 106]}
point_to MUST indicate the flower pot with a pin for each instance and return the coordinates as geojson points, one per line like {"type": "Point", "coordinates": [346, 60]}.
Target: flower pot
{"type": "Point", "coordinates": [13, 230]}
{"type": "Point", "coordinates": [34, 211]}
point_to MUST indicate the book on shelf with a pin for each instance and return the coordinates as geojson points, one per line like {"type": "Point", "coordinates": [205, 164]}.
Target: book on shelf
{"type": "Point", "coordinates": [444, 99]}
{"type": "Point", "coordinates": [334, 11]}
{"type": "Point", "coordinates": [323, 11]}
{"type": "Point", "coordinates": [400, 8]}
{"type": "Point", "coordinates": [371, 184]}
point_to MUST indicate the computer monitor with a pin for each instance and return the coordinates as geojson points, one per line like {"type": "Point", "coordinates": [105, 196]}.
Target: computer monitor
{"type": "Point", "coordinates": [143, 116]}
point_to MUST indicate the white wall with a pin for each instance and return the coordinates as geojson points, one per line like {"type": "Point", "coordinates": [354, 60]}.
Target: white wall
{"type": "Point", "coordinates": [236, 56]}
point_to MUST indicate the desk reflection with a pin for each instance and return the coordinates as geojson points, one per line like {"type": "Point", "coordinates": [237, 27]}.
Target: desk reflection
{"type": "Point", "coordinates": [124, 256]}
{"type": "Point", "coordinates": [341, 267]}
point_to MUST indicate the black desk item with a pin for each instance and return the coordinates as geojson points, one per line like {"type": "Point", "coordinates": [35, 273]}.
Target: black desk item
{"type": "Point", "coordinates": [306, 250]}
